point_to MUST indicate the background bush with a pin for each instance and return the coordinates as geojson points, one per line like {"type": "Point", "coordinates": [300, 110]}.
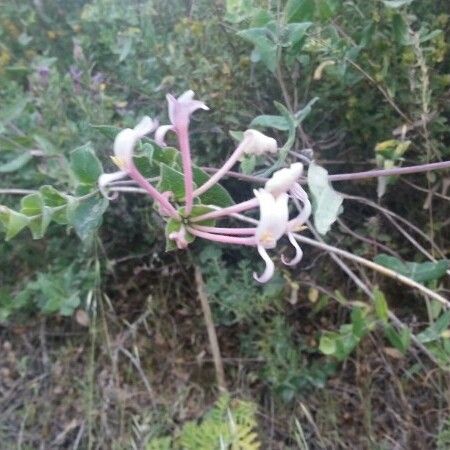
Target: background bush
{"type": "Point", "coordinates": [84, 326]}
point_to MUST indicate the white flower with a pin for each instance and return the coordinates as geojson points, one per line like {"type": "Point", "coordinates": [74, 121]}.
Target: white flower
{"type": "Point", "coordinates": [127, 139]}
{"type": "Point", "coordinates": [285, 179]}
{"type": "Point", "coordinates": [105, 179]}
{"type": "Point", "coordinates": [257, 143]}
{"type": "Point", "coordinates": [274, 216]}
{"type": "Point", "coordinates": [273, 222]}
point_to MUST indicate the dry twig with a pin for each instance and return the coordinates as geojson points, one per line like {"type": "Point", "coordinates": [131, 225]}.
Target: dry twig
{"type": "Point", "coordinates": [211, 329]}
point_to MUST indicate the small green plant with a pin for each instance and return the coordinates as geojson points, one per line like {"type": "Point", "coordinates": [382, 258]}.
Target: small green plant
{"type": "Point", "coordinates": [231, 424]}
{"type": "Point", "coordinates": [287, 368]}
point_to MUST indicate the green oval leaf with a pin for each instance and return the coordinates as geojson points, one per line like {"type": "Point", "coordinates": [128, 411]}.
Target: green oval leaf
{"type": "Point", "coordinates": [85, 165]}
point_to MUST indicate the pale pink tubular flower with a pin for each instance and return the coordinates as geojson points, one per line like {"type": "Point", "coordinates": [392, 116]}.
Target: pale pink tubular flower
{"type": "Point", "coordinates": [253, 143]}
{"type": "Point", "coordinates": [180, 110]}
{"type": "Point", "coordinates": [123, 157]}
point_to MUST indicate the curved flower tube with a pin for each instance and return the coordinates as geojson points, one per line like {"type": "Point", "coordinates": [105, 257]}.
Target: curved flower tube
{"type": "Point", "coordinates": [273, 220]}
{"type": "Point", "coordinates": [180, 110]}
{"type": "Point", "coordinates": [227, 230]}
{"type": "Point", "coordinates": [254, 143]}
{"type": "Point", "coordinates": [224, 239]}
{"type": "Point", "coordinates": [123, 157]}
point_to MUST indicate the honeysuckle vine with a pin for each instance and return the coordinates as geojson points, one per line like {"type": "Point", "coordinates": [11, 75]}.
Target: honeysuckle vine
{"type": "Point", "coordinates": [189, 200]}
{"type": "Point", "coordinates": [188, 217]}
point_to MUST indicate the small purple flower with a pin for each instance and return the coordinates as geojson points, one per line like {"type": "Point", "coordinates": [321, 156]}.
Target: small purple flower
{"type": "Point", "coordinates": [43, 72]}
{"type": "Point", "coordinates": [96, 81]}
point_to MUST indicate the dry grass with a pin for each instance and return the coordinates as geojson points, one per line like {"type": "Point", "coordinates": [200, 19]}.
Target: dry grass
{"type": "Point", "coordinates": [143, 367]}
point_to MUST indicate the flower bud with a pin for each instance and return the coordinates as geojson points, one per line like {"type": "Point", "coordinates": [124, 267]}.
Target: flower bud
{"type": "Point", "coordinates": [257, 143]}
{"type": "Point", "coordinates": [283, 180]}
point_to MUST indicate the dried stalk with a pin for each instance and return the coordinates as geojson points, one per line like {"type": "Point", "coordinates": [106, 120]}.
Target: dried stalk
{"type": "Point", "coordinates": [211, 329]}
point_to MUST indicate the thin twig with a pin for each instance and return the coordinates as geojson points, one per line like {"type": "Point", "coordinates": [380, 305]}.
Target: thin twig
{"type": "Point", "coordinates": [350, 176]}
{"type": "Point", "coordinates": [388, 212]}
{"type": "Point", "coordinates": [365, 262]}
{"type": "Point", "coordinates": [211, 329]}
{"type": "Point", "coordinates": [16, 191]}
{"type": "Point", "coordinates": [374, 266]}
{"type": "Point", "coordinates": [370, 241]}
{"type": "Point", "coordinates": [394, 319]}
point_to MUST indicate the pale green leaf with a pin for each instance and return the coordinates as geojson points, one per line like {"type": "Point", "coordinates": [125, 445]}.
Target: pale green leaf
{"type": "Point", "coordinates": [16, 163]}
{"type": "Point", "coordinates": [434, 331]}
{"type": "Point", "coordinates": [327, 344]}
{"type": "Point", "coordinates": [12, 221]}
{"type": "Point", "coordinates": [270, 121]}
{"type": "Point", "coordinates": [381, 306]}
{"type": "Point", "coordinates": [420, 272]}
{"type": "Point", "coordinates": [172, 181]}
{"type": "Point", "coordinates": [395, 4]}
{"type": "Point", "coordinates": [326, 201]}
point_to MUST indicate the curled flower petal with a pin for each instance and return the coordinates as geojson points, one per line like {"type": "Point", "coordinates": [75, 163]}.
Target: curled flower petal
{"type": "Point", "coordinates": [274, 215]}
{"type": "Point", "coordinates": [283, 180]}
{"type": "Point", "coordinates": [298, 252]}
{"type": "Point", "coordinates": [270, 267]}
{"type": "Point", "coordinates": [105, 179]}
{"type": "Point", "coordinates": [298, 192]}
{"type": "Point", "coordinates": [257, 143]}
{"type": "Point", "coordinates": [127, 139]}
{"type": "Point", "coordinates": [145, 126]}
{"type": "Point", "coordinates": [160, 134]}
{"type": "Point", "coordinates": [181, 108]}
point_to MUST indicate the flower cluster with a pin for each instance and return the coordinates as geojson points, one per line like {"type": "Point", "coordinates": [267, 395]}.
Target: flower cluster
{"type": "Point", "coordinates": [272, 199]}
